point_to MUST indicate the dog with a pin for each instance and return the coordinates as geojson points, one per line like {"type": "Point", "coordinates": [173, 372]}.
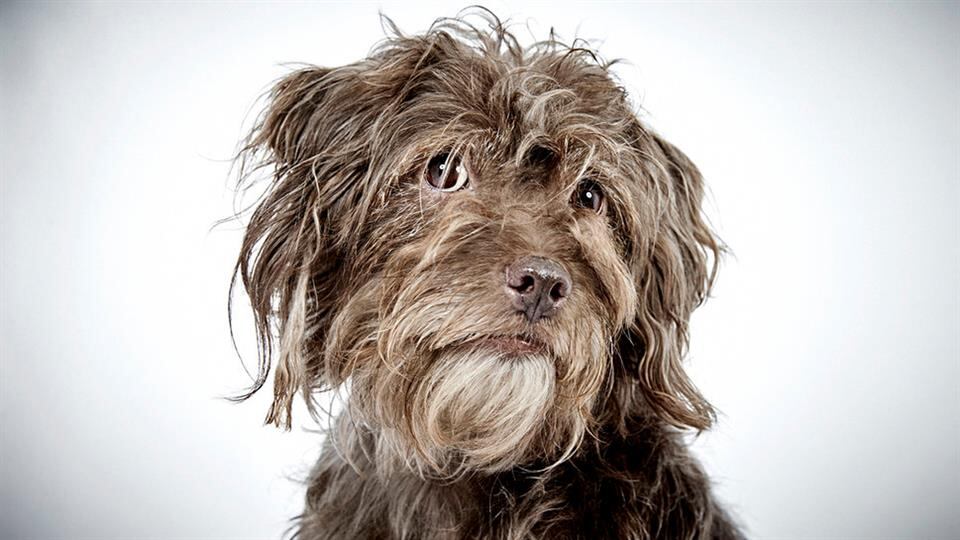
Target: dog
{"type": "Point", "coordinates": [485, 250]}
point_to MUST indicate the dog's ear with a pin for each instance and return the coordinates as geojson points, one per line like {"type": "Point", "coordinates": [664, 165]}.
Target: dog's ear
{"type": "Point", "coordinates": [674, 277]}
{"type": "Point", "coordinates": [326, 136]}
{"type": "Point", "coordinates": [314, 135]}
{"type": "Point", "coordinates": [285, 262]}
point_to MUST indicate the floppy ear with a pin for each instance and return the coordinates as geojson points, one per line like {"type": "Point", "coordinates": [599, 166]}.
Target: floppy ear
{"type": "Point", "coordinates": [285, 261]}
{"type": "Point", "coordinates": [681, 262]}
{"type": "Point", "coordinates": [326, 134]}
{"type": "Point", "coordinates": [314, 136]}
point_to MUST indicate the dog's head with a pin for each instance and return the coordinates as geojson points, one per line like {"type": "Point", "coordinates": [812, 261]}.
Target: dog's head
{"type": "Point", "coordinates": [482, 240]}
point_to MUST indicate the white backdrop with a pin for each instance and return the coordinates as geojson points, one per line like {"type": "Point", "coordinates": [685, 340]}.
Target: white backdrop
{"type": "Point", "coordinates": [828, 134]}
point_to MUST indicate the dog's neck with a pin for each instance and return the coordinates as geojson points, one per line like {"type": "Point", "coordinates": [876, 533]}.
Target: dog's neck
{"type": "Point", "coordinates": [636, 458]}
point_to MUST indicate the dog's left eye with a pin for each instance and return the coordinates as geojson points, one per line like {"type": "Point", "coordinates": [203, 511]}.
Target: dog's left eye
{"type": "Point", "coordinates": [588, 195]}
{"type": "Point", "coordinates": [446, 172]}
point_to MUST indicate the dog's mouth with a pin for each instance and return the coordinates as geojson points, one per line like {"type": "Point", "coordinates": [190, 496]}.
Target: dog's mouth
{"type": "Point", "coordinates": [513, 346]}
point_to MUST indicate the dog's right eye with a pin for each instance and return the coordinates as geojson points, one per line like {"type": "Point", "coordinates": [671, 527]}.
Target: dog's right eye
{"type": "Point", "coordinates": [588, 195]}
{"type": "Point", "coordinates": [446, 172]}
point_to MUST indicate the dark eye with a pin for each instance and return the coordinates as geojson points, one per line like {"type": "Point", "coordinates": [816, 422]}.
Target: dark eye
{"type": "Point", "coordinates": [446, 172]}
{"type": "Point", "coordinates": [588, 195]}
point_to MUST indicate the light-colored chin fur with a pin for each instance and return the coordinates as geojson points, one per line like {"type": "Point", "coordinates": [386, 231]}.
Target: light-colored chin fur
{"type": "Point", "coordinates": [478, 409]}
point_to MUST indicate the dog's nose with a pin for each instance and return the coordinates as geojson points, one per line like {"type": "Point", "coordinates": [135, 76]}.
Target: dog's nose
{"type": "Point", "coordinates": [537, 286]}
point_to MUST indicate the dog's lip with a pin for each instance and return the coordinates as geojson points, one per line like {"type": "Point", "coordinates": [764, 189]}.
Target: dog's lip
{"type": "Point", "coordinates": [514, 345]}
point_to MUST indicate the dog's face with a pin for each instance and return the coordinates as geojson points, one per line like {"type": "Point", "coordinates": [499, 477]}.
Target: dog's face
{"type": "Point", "coordinates": [483, 241]}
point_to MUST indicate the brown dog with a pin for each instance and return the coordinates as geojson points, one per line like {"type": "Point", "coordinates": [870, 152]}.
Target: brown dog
{"type": "Point", "coordinates": [485, 244]}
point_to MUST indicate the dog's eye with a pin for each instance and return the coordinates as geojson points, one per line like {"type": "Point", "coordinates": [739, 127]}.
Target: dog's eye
{"type": "Point", "coordinates": [588, 195]}
{"type": "Point", "coordinates": [446, 172]}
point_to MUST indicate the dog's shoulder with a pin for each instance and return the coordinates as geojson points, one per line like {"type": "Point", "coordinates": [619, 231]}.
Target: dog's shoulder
{"type": "Point", "coordinates": [637, 482]}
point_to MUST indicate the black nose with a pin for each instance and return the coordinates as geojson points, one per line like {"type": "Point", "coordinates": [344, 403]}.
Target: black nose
{"type": "Point", "coordinates": [537, 286]}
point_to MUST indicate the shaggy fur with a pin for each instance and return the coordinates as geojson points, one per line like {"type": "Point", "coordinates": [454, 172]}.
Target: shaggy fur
{"type": "Point", "coordinates": [464, 417]}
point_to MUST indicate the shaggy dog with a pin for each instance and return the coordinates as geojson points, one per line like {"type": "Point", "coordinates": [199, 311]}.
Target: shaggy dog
{"type": "Point", "coordinates": [483, 247]}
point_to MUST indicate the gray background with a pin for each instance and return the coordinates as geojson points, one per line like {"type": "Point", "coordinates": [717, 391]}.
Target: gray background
{"type": "Point", "coordinates": [827, 132]}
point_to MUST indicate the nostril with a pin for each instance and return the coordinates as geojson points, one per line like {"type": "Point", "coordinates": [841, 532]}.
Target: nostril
{"type": "Point", "coordinates": [558, 291]}
{"type": "Point", "coordinates": [526, 284]}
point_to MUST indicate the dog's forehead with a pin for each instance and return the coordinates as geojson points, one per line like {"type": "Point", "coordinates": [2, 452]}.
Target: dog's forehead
{"type": "Point", "coordinates": [556, 98]}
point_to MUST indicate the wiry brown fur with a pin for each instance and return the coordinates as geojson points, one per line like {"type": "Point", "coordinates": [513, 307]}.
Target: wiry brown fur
{"type": "Point", "coordinates": [361, 275]}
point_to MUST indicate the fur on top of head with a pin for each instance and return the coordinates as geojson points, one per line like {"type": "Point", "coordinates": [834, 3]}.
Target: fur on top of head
{"type": "Point", "coordinates": [401, 188]}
